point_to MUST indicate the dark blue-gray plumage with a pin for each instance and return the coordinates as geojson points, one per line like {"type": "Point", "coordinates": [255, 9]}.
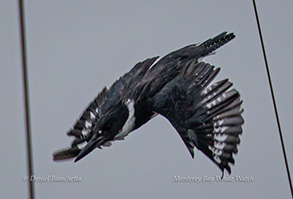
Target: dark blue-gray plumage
{"type": "Point", "coordinates": [177, 86]}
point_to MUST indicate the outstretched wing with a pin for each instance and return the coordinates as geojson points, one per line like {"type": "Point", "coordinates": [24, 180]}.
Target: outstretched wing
{"type": "Point", "coordinates": [208, 118]}
{"type": "Point", "coordinates": [83, 130]}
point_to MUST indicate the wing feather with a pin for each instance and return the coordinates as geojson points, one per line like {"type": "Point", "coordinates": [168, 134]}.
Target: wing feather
{"type": "Point", "coordinates": [208, 118]}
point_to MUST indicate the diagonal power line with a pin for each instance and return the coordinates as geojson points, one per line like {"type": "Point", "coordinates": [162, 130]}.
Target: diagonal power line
{"type": "Point", "coordinates": [273, 96]}
{"type": "Point", "coordinates": [26, 98]}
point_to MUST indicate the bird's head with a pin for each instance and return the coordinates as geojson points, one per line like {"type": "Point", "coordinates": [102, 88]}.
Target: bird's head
{"type": "Point", "coordinates": [113, 125]}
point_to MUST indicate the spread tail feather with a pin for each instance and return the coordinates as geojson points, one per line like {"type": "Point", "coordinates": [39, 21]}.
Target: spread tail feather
{"type": "Point", "coordinates": [210, 45]}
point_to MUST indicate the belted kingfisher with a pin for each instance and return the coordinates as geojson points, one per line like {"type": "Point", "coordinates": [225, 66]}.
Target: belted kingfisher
{"type": "Point", "coordinates": [178, 86]}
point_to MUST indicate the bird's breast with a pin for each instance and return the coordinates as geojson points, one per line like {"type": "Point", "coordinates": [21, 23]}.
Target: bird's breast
{"type": "Point", "coordinates": [129, 124]}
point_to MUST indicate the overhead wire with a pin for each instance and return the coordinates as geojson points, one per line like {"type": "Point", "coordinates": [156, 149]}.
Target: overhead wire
{"type": "Point", "coordinates": [273, 96]}
{"type": "Point", "coordinates": [26, 99]}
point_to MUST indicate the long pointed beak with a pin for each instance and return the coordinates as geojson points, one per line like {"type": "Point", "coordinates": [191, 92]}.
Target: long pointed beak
{"type": "Point", "coordinates": [92, 144]}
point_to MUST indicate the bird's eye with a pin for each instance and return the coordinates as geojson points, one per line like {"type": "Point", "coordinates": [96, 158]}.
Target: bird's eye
{"type": "Point", "coordinates": [106, 127]}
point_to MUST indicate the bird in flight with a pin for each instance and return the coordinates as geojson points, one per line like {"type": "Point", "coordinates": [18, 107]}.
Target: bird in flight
{"type": "Point", "coordinates": [178, 86]}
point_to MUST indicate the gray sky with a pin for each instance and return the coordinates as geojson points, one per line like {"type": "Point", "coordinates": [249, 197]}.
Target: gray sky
{"type": "Point", "coordinates": [77, 47]}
